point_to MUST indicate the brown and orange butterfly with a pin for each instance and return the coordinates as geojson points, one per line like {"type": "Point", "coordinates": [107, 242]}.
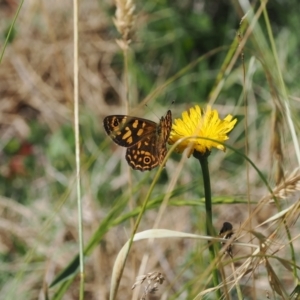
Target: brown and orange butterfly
{"type": "Point", "coordinates": [145, 140]}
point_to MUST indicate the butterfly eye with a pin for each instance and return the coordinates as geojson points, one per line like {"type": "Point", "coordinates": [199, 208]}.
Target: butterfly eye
{"type": "Point", "coordinates": [147, 160]}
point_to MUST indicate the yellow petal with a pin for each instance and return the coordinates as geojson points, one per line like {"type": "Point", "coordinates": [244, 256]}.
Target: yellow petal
{"type": "Point", "coordinates": [207, 125]}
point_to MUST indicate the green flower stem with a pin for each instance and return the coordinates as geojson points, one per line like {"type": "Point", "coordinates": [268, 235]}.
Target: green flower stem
{"type": "Point", "coordinates": [208, 208]}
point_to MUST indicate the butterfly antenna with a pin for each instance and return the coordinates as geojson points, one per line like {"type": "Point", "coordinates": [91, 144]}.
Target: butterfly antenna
{"type": "Point", "coordinates": [172, 103]}
{"type": "Point", "coordinates": [146, 105]}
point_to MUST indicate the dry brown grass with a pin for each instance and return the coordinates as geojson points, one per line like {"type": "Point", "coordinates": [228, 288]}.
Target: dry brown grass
{"type": "Point", "coordinates": [36, 84]}
{"type": "Point", "coordinates": [35, 75]}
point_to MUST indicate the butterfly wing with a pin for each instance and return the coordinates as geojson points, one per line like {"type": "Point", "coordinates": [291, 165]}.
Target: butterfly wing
{"type": "Point", "coordinates": [151, 150]}
{"type": "Point", "coordinates": [145, 140]}
{"type": "Point", "coordinates": [166, 125]}
{"type": "Point", "coordinates": [164, 129]}
{"type": "Point", "coordinates": [127, 131]}
{"type": "Point", "coordinates": [143, 155]}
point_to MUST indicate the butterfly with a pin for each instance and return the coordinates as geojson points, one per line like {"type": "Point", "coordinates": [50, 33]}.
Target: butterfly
{"type": "Point", "coordinates": [145, 140]}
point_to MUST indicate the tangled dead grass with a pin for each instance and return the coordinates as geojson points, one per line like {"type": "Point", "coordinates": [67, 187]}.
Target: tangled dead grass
{"type": "Point", "coordinates": [36, 72]}
{"type": "Point", "coordinates": [36, 83]}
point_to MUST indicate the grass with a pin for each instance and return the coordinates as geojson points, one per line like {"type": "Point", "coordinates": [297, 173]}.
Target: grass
{"type": "Point", "coordinates": [181, 52]}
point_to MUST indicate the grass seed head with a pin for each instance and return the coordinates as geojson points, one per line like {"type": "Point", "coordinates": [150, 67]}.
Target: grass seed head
{"type": "Point", "coordinates": [124, 21]}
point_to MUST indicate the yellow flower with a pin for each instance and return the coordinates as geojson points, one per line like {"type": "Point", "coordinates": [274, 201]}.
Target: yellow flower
{"type": "Point", "coordinates": [202, 125]}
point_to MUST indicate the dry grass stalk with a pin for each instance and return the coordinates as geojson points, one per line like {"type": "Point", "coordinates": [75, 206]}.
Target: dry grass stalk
{"type": "Point", "coordinates": [153, 280]}
{"type": "Point", "coordinates": [276, 141]}
{"type": "Point", "coordinates": [288, 186]}
{"type": "Point", "coordinates": [274, 281]}
{"type": "Point", "coordinates": [124, 21]}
